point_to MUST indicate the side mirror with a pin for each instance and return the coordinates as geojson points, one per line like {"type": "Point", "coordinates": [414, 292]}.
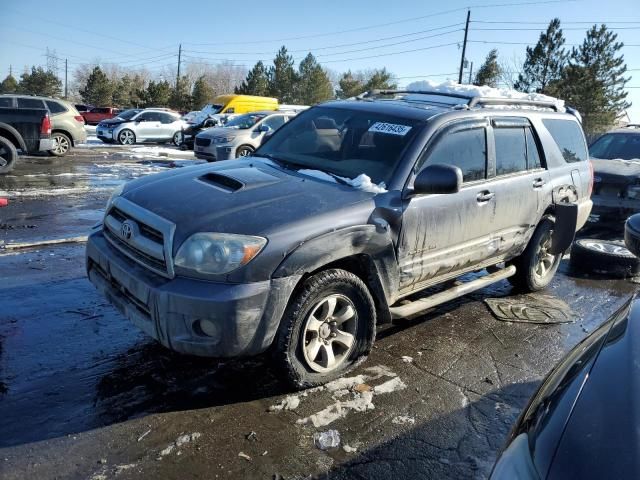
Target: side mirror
{"type": "Point", "coordinates": [266, 137]}
{"type": "Point", "coordinates": [264, 128]}
{"type": "Point", "coordinates": [438, 178]}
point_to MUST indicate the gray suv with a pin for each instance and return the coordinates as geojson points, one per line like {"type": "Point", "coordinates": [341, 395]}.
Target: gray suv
{"type": "Point", "coordinates": [67, 125]}
{"type": "Point", "coordinates": [338, 221]}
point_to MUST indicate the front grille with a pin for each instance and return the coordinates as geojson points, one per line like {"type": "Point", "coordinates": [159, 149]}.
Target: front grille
{"type": "Point", "coordinates": [139, 235]}
{"type": "Point", "coordinates": [203, 142]}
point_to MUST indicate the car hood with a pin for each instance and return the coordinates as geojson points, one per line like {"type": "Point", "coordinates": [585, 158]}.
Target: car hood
{"type": "Point", "coordinates": [112, 122]}
{"type": "Point", "coordinates": [251, 197]}
{"type": "Point", "coordinates": [605, 418]}
{"type": "Point", "coordinates": [615, 171]}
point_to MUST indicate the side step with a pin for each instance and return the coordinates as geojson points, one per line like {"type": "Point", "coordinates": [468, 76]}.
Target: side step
{"type": "Point", "coordinates": [419, 306]}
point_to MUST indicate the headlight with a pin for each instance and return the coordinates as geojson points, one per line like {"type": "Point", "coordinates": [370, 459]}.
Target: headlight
{"type": "Point", "coordinates": [633, 192]}
{"type": "Point", "coordinates": [222, 139]}
{"type": "Point", "coordinates": [217, 253]}
{"type": "Point", "coordinates": [116, 193]}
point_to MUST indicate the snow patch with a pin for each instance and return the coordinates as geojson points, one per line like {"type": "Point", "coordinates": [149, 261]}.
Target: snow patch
{"type": "Point", "coordinates": [349, 449]}
{"type": "Point", "coordinates": [52, 192]}
{"type": "Point", "coordinates": [450, 86]}
{"type": "Point", "coordinates": [345, 383]}
{"type": "Point", "coordinates": [403, 420]}
{"type": "Point", "coordinates": [361, 182]}
{"type": "Point", "coordinates": [339, 409]}
{"type": "Point", "coordinates": [289, 403]}
{"type": "Point", "coordinates": [407, 359]}
{"type": "Point", "coordinates": [181, 440]}
{"type": "Point", "coordinates": [389, 386]}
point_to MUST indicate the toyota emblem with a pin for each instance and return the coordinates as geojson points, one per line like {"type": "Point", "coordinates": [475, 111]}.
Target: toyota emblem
{"type": "Point", "coordinates": [126, 230]}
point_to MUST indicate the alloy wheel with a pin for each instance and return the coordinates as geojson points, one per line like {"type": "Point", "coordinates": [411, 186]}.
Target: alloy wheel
{"type": "Point", "coordinates": [544, 259]}
{"type": "Point", "coordinates": [60, 144]}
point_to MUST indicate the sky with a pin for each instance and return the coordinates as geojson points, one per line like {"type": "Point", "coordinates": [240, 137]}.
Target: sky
{"type": "Point", "coordinates": [417, 41]}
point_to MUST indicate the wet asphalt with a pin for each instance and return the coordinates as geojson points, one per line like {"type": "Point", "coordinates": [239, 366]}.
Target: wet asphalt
{"type": "Point", "coordinates": [84, 394]}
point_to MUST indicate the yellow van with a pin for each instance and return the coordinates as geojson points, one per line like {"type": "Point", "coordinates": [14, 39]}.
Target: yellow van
{"type": "Point", "coordinates": [243, 103]}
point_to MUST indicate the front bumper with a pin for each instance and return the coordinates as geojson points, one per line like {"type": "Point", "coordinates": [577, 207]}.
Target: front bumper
{"type": "Point", "coordinates": [245, 317]}
{"type": "Point", "coordinates": [204, 155]}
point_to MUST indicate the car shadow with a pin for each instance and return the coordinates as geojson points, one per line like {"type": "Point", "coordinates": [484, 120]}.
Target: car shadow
{"type": "Point", "coordinates": [461, 444]}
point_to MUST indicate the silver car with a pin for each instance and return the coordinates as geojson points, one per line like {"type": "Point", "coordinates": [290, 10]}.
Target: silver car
{"type": "Point", "coordinates": [149, 125]}
{"type": "Point", "coordinates": [67, 125]}
{"type": "Point", "coordinates": [240, 136]}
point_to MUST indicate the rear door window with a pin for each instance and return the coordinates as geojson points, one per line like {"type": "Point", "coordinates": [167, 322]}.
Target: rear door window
{"type": "Point", "coordinates": [167, 118]}
{"type": "Point", "coordinates": [26, 102]}
{"type": "Point", "coordinates": [569, 138]}
{"type": "Point", "coordinates": [466, 149]}
{"type": "Point", "coordinates": [55, 107]}
{"type": "Point", "coordinates": [6, 102]}
{"type": "Point", "coordinates": [511, 150]}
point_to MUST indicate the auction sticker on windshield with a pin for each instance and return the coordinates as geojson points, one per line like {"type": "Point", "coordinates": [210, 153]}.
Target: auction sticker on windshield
{"type": "Point", "coordinates": [390, 128]}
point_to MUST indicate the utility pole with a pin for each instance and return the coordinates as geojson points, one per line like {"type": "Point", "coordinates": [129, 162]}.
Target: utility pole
{"type": "Point", "coordinates": [470, 72]}
{"type": "Point", "coordinates": [179, 60]}
{"type": "Point", "coordinates": [66, 83]}
{"type": "Point", "coordinates": [464, 46]}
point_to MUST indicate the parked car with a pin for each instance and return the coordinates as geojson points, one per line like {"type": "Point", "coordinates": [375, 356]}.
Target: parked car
{"type": "Point", "coordinates": [148, 125]}
{"type": "Point", "coordinates": [98, 114]}
{"type": "Point", "coordinates": [190, 116]}
{"type": "Point", "coordinates": [82, 108]}
{"type": "Point", "coordinates": [240, 104]}
{"type": "Point", "coordinates": [25, 129]}
{"type": "Point", "coordinates": [239, 137]}
{"type": "Point", "coordinates": [616, 164]}
{"type": "Point", "coordinates": [66, 123]}
{"type": "Point", "coordinates": [343, 215]}
{"type": "Point", "coordinates": [582, 422]}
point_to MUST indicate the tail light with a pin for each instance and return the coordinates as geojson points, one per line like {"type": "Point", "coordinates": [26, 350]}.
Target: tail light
{"type": "Point", "coordinates": [591, 177]}
{"type": "Point", "coordinates": [45, 126]}
{"type": "Point", "coordinates": [79, 118]}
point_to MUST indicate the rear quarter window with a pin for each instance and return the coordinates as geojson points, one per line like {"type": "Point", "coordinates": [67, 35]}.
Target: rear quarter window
{"type": "Point", "coordinates": [569, 138]}
{"type": "Point", "coordinates": [55, 107]}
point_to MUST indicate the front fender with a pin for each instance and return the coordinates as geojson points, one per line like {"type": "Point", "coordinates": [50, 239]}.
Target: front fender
{"type": "Point", "coordinates": [373, 242]}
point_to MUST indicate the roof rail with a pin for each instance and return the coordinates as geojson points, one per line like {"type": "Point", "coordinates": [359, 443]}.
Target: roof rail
{"type": "Point", "coordinates": [471, 101]}
{"type": "Point", "coordinates": [511, 101]}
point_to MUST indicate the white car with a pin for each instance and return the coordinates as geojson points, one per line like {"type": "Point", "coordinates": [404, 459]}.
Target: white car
{"type": "Point", "coordinates": [149, 125]}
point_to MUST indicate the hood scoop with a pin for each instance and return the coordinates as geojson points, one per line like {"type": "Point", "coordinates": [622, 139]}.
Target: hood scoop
{"type": "Point", "coordinates": [235, 179]}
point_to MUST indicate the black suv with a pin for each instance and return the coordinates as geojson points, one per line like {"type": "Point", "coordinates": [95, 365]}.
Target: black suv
{"type": "Point", "coordinates": [340, 216]}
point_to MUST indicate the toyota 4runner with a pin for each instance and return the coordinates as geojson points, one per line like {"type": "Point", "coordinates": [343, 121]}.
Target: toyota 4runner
{"type": "Point", "coordinates": [342, 215]}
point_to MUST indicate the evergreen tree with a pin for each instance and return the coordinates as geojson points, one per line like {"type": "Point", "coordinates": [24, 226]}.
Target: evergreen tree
{"type": "Point", "coordinates": [594, 80]}
{"type": "Point", "coordinates": [137, 86]}
{"type": "Point", "coordinates": [9, 85]}
{"type": "Point", "coordinates": [314, 85]}
{"type": "Point", "coordinates": [256, 83]}
{"type": "Point", "coordinates": [489, 71]}
{"type": "Point", "coordinates": [181, 95]}
{"type": "Point", "coordinates": [283, 78]}
{"type": "Point", "coordinates": [122, 92]}
{"type": "Point", "coordinates": [98, 90]}
{"type": "Point", "coordinates": [350, 86]}
{"type": "Point", "coordinates": [544, 62]}
{"type": "Point", "coordinates": [157, 94]}
{"type": "Point", "coordinates": [379, 79]}
{"type": "Point", "coordinates": [202, 93]}
{"type": "Point", "coordinates": [40, 82]}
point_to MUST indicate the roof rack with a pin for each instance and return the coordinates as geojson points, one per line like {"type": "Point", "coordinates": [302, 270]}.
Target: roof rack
{"type": "Point", "coordinates": [472, 101]}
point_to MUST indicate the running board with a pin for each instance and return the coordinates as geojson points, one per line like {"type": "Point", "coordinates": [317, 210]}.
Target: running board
{"type": "Point", "coordinates": [420, 305]}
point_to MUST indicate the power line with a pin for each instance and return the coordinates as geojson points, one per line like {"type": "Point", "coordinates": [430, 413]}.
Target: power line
{"type": "Point", "coordinates": [537, 29]}
{"type": "Point", "coordinates": [392, 53]}
{"type": "Point", "coordinates": [519, 22]}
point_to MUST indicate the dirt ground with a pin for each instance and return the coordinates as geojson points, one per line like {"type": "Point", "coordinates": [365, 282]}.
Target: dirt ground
{"type": "Point", "coordinates": [84, 394]}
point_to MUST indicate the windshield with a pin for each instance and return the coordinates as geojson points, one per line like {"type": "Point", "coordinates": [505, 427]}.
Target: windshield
{"type": "Point", "coordinates": [245, 121]}
{"type": "Point", "coordinates": [343, 142]}
{"type": "Point", "coordinates": [127, 114]}
{"type": "Point", "coordinates": [616, 145]}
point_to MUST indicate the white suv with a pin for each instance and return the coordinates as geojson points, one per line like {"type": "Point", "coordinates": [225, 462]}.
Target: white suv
{"type": "Point", "coordinates": [149, 125]}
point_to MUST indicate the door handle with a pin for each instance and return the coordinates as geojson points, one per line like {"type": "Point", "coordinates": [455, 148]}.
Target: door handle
{"type": "Point", "coordinates": [538, 183]}
{"type": "Point", "coordinates": [484, 196]}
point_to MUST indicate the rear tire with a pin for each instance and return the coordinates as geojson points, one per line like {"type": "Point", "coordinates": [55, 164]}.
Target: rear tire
{"type": "Point", "coordinates": [244, 151]}
{"type": "Point", "coordinates": [605, 257]}
{"type": "Point", "coordinates": [535, 267]}
{"type": "Point", "coordinates": [61, 144]}
{"type": "Point", "coordinates": [327, 329]}
{"type": "Point", "coordinates": [8, 155]}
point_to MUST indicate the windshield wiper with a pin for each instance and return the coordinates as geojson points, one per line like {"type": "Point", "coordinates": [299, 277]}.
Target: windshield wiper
{"type": "Point", "coordinates": [279, 161]}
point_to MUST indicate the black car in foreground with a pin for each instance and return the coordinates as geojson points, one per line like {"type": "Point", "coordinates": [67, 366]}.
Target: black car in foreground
{"type": "Point", "coordinates": [584, 421]}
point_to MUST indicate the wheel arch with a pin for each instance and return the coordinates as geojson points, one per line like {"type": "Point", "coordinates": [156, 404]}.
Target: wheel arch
{"type": "Point", "coordinates": [65, 133]}
{"type": "Point", "coordinates": [11, 134]}
{"type": "Point", "coordinates": [363, 250]}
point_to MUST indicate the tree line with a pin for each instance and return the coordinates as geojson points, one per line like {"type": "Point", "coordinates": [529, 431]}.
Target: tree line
{"type": "Point", "coordinates": [590, 77]}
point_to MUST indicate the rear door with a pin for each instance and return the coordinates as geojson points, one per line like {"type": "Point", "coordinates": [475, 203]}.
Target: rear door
{"type": "Point", "coordinates": [444, 234]}
{"type": "Point", "coordinates": [520, 183]}
{"type": "Point", "coordinates": [149, 126]}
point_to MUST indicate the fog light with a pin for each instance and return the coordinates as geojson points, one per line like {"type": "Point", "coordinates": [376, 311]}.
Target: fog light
{"type": "Point", "coordinates": [207, 328]}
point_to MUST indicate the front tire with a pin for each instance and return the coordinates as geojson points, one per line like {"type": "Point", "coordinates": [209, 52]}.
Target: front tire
{"type": "Point", "coordinates": [8, 155]}
{"type": "Point", "coordinates": [327, 329]}
{"type": "Point", "coordinates": [126, 137]}
{"type": "Point", "coordinates": [536, 267]}
{"type": "Point", "coordinates": [61, 144]}
{"type": "Point", "coordinates": [177, 139]}
{"type": "Point", "coordinates": [244, 151]}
